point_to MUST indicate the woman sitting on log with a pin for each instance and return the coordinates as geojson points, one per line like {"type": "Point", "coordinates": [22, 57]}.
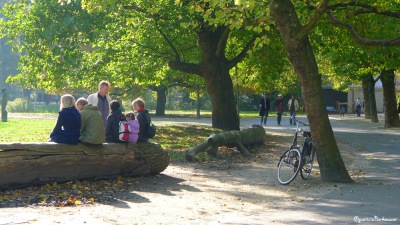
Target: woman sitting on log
{"type": "Point", "coordinates": [67, 129]}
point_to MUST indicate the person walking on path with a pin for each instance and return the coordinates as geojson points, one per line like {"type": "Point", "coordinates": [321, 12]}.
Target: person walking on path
{"type": "Point", "coordinates": [358, 107]}
{"type": "Point", "coordinates": [67, 128]}
{"type": "Point", "coordinates": [293, 105]}
{"type": "Point", "coordinates": [342, 111]}
{"type": "Point", "coordinates": [102, 100]}
{"type": "Point", "coordinates": [264, 108]}
{"type": "Point", "coordinates": [398, 109]}
{"type": "Point", "coordinates": [279, 108]}
{"type": "Point", "coordinates": [92, 128]}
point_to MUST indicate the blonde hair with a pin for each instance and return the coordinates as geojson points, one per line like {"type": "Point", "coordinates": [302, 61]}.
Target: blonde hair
{"type": "Point", "coordinates": [81, 101]}
{"type": "Point", "coordinates": [140, 102]}
{"type": "Point", "coordinates": [67, 101]}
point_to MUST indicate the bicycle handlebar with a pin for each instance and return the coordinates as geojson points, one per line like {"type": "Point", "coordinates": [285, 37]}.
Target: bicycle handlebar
{"type": "Point", "coordinates": [305, 124]}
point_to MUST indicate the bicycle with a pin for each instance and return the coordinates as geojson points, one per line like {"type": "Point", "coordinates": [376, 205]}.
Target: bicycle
{"type": "Point", "coordinates": [297, 158]}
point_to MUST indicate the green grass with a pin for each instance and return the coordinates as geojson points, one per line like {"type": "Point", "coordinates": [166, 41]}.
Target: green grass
{"type": "Point", "coordinates": [175, 138]}
{"type": "Point", "coordinates": [26, 130]}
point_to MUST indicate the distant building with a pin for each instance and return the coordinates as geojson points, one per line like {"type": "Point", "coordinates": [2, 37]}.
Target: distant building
{"type": "Point", "coordinates": [356, 91]}
{"type": "Point", "coordinates": [333, 97]}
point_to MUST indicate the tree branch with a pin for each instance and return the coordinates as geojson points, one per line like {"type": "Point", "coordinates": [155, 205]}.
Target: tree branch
{"type": "Point", "coordinates": [233, 62]}
{"type": "Point", "coordinates": [222, 41]}
{"type": "Point", "coordinates": [177, 57]}
{"type": "Point", "coordinates": [357, 37]}
{"type": "Point", "coordinates": [314, 19]}
{"type": "Point", "coordinates": [368, 9]}
{"type": "Point", "coordinates": [190, 68]}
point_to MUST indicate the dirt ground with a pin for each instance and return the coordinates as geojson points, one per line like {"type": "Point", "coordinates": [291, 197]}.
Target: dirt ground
{"type": "Point", "coordinates": [245, 192]}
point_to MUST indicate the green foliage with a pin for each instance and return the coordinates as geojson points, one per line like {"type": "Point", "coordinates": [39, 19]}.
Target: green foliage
{"type": "Point", "coordinates": [19, 105]}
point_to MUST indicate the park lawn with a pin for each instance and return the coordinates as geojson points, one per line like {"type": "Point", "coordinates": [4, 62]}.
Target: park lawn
{"type": "Point", "coordinates": [26, 130]}
{"type": "Point", "coordinates": [172, 137]}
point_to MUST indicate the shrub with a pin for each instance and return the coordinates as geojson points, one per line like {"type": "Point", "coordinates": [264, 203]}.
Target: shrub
{"type": "Point", "coordinates": [19, 105]}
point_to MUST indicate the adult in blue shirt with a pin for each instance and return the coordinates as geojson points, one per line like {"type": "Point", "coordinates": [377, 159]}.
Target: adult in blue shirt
{"type": "Point", "coordinates": [67, 129]}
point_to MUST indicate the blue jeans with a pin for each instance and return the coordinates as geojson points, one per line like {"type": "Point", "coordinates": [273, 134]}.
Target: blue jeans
{"type": "Point", "coordinates": [293, 116]}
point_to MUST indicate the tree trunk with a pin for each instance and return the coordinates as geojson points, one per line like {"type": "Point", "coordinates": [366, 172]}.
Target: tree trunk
{"type": "Point", "coordinates": [301, 55]}
{"type": "Point", "coordinates": [215, 71]}
{"type": "Point", "coordinates": [389, 95]}
{"type": "Point", "coordinates": [367, 100]}
{"type": "Point", "coordinates": [161, 100]}
{"type": "Point", "coordinates": [214, 68]}
{"type": "Point", "coordinates": [25, 164]}
{"type": "Point", "coordinates": [370, 82]}
{"type": "Point", "coordinates": [198, 101]}
{"type": "Point", "coordinates": [238, 139]}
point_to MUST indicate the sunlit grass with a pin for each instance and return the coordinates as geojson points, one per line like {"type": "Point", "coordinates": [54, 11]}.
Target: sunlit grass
{"type": "Point", "coordinates": [26, 130]}
{"type": "Point", "coordinates": [175, 138]}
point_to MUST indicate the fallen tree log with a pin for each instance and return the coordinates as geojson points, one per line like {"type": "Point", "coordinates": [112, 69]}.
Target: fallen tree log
{"type": "Point", "coordinates": [239, 139]}
{"type": "Point", "coordinates": [26, 164]}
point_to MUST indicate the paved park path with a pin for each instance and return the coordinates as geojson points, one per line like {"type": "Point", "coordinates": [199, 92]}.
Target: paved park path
{"type": "Point", "coordinates": [373, 199]}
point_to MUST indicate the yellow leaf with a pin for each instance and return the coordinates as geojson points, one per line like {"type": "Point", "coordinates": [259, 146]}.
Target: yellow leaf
{"type": "Point", "coordinates": [42, 196]}
{"type": "Point", "coordinates": [78, 202]}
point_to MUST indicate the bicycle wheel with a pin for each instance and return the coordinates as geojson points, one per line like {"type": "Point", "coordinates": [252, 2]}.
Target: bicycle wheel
{"type": "Point", "coordinates": [288, 166]}
{"type": "Point", "coordinates": [307, 163]}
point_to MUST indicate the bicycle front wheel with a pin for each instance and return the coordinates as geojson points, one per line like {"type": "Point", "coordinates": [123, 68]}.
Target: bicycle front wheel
{"type": "Point", "coordinates": [289, 165]}
{"type": "Point", "coordinates": [307, 163]}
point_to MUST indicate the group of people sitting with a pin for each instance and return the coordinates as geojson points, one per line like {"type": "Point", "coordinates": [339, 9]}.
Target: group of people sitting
{"type": "Point", "coordinates": [82, 122]}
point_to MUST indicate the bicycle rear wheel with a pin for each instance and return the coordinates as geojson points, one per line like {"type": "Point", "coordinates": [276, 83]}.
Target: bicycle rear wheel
{"type": "Point", "coordinates": [307, 163]}
{"type": "Point", "coordinates": [288, 166]}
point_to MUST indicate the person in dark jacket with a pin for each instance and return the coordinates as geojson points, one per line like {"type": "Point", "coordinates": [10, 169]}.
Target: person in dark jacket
{"type": "Point", "coordinates": [264, 108]}
{"type": "Point", "coordinates": [67, 129]}
{"type": "Point", "coordinates": [112, 127]}
{"type": "Point", "coordinates": [279, 108]}
{"type": "Point", "coordinates": [143, 118]}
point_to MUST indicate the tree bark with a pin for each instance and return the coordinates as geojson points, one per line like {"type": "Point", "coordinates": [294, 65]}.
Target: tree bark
{"type": "Point", "coordinates": [161, 100]}
{"type": "Point", "coordinates": [238, 139]}
{"type": "Point", "coordinates": [370, 83]}
{"type": "Point", "coordinates": [25, 164]}
{"type": "Point", "coordinates": [214, 68]}
{"type": "Point", "coordinates": [301, 55]}
{"type": "Point", "coordinates": [367, 100]}
{"type": "Point", "coordinates": [389, 94]}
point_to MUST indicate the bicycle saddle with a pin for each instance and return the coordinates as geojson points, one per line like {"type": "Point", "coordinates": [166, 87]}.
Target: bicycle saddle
{"type": "Point", "coordinates": [306, 134]}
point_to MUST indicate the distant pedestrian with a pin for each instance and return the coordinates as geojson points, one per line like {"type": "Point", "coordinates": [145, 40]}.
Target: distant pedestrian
{"type": "Point", "coordinates": [398, 109]}
{"type": "Point", "coordinates": [264, 108]}
{"type": "Point", "coordinates": [342, 111]}
{"type": "Point", "coordinates": [293, 104]}
{"type": "Point", "coordinates": [358, 106]}
{"type": "Point", "coordinates": [279, 108]}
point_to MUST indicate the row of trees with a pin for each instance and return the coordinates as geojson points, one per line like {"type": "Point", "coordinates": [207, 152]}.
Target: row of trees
{"type": "Point", "coordinates": [211, 43]}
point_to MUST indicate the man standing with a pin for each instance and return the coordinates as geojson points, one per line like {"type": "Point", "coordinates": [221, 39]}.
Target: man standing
{"type": "Point", "coordinates": [102, 100]}
{"type": "Point", "coordinates": [358, 106]}
{"type": "Point", "coordinates": [264, 108]}
{"type": "Point", "coordinates": [293, 105]}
